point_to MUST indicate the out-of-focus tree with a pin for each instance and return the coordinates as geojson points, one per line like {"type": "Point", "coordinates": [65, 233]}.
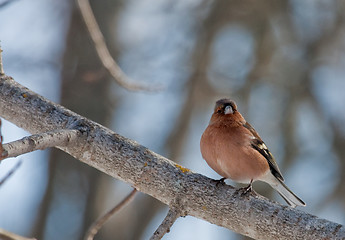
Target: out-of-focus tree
{"type": "Point", "coordinates": [282, 61]}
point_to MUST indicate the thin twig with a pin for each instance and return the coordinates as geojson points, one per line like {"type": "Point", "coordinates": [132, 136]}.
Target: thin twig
{"type": "Point", "coordinates": [94, 228]}
{"type": "Point", "coordinates": [9, 174]}
{"type": "Point", "coordinates": [6, 235]}
{"type": "Point", "coordinates": [103, 53]}
{"type": "Point", "coordinates": [41, 141]}
{"type": "Point", "coordinates": [165, 226]}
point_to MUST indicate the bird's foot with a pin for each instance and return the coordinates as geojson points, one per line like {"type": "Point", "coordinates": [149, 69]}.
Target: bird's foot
{"type": "Point", "coordinates": [248, 189]}
{"type": "Point", "coordinates": [220, 181]}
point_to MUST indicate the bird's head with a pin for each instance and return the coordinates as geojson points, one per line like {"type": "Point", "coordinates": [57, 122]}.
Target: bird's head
{"type": "Point", "coordinates": [225, 111]}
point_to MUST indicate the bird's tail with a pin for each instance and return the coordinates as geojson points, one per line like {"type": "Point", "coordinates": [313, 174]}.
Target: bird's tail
{"type": "Point", "coordinates": [286, 193]}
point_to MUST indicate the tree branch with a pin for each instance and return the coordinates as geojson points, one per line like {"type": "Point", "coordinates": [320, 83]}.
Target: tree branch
{"type": "Point", "coordinates": [167, 223]}
{"type": "Point", "coordinates": [94, 228]}
{"type": "Point", "coordinates": [103, 53]}
{"type": "Point", "coordinates": [10, 173]}
{"type": "Point", "coordinates": [150, 173]}
{"type": "Point", "coordinates": [41, 141]}
{"type": "Point", "coordinates": [5, 235]}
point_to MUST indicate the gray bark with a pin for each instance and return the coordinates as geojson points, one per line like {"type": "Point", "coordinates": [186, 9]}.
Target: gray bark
{"type": "Point", "coordinates": [150, 173]}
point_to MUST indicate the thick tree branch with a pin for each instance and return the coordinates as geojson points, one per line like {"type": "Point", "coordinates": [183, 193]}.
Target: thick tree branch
{"type": "Point", "coordinates": [124, 159]}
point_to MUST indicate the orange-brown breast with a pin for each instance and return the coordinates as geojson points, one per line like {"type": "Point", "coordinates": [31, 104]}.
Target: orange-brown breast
{"type": "Point", "coordinates": [228, 151]}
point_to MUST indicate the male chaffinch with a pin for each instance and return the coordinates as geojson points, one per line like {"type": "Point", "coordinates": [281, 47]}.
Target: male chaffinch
{"type": "Point", "coordinates": [232, 147]}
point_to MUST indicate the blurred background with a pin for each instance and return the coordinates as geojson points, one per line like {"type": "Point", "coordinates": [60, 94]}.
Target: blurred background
{"type": "Point", "coordinates": [283, 62]}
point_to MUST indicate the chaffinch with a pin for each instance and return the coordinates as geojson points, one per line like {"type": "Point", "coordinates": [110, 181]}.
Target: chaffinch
{"type": "Point", "coordinates": [232, 147]}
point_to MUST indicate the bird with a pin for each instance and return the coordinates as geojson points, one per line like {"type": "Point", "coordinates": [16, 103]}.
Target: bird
{"type": "Point", "coordinates": [233, 148]}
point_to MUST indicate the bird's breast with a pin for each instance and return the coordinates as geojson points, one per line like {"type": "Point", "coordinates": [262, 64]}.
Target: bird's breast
{"type": "Point", "coordinates": [231, 155]}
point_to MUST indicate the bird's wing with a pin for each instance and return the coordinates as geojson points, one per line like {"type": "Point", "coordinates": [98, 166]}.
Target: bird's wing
{"type": "Point", "coordinates": [261, 147]}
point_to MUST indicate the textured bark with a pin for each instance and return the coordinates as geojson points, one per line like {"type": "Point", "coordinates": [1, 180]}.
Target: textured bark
{"type": "Point", "coordinates": [195, 194]}
{"type": "Point", "coordinates": [39, 142]}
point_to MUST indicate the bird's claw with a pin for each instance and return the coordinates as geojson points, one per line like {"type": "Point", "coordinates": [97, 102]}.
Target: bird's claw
{"type": "Point", "coordinates": [247, 189]}
{"type": "Point", "coordinates": [220, 181]}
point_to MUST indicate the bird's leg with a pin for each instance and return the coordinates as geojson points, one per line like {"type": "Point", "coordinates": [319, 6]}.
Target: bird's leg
{"type": "Point", "coordinates": [220, 181]}
{"type": "Point", "coordinates": [249, 188]}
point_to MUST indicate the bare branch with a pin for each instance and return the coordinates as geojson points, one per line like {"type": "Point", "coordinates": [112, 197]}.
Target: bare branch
{"type": "Point", "coordinates": [94, 228]}
{"type": "Point", "coordinates": [104, 55]}
{"type": "Point", "coordinates": [39, 142]}
{"type": "Point", "coordinates": [165, 226]}
{"type": "Point", "coordinates": [5, 235]}
{"type": "Point", "coordinates": [9, 174]}
{"type": "Point", "coordinates": [126, 160]}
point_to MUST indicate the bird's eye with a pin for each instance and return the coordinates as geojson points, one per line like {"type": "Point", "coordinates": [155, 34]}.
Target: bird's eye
{"type": "Point", "coordinates": [219, 111]}
{"type": "Point", "coordinates": [228, 110]}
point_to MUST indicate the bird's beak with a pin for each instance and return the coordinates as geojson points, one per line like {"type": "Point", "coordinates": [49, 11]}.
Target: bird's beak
{"type": "Point", "coordinates": [228, 110]}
